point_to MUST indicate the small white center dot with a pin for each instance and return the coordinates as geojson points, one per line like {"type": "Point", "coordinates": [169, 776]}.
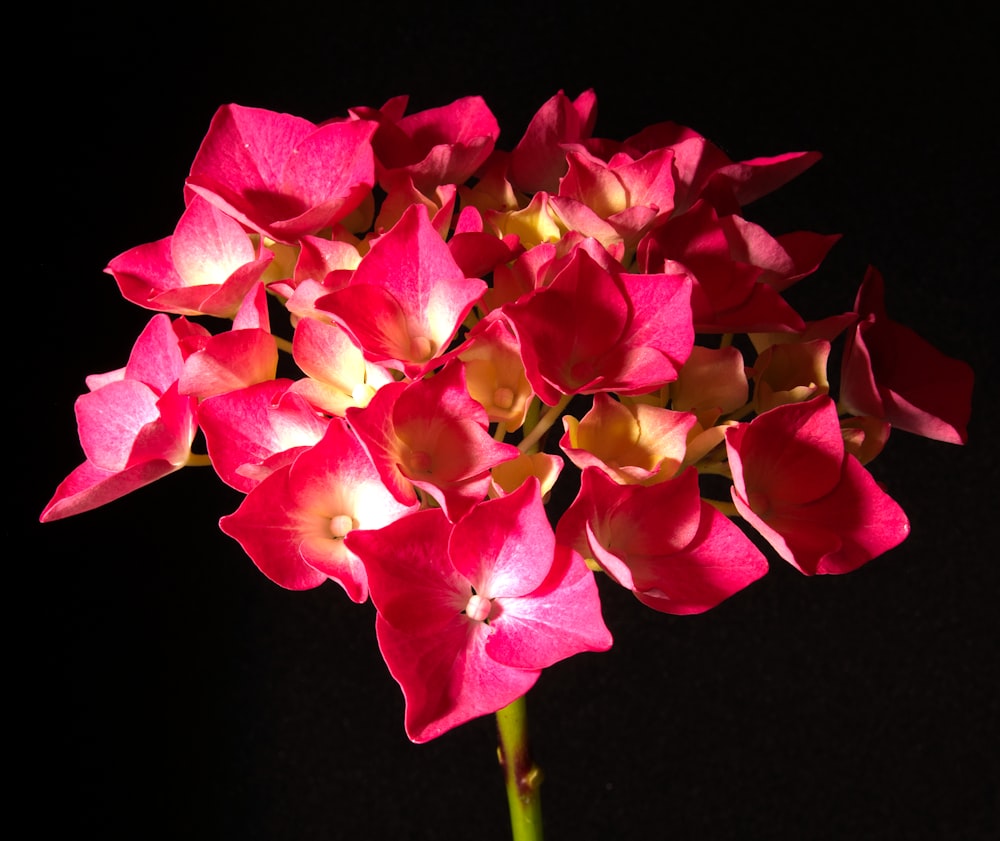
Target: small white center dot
{"type": "Point", "coordinates": [478, 609]}
{"type": "Point", "coordinates": [341, 525]}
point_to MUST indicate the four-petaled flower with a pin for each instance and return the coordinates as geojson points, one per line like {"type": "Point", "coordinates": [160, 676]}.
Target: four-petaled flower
{"type": "Point", "coordinates": [469, 613]}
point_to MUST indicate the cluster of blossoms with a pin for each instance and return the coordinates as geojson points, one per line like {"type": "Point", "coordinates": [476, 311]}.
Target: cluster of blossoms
{"type": "Point", "coordinates": [447, 300]}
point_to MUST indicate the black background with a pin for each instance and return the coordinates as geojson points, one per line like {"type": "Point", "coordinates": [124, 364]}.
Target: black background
{"type": "Point", "coordinates": [167, 689]}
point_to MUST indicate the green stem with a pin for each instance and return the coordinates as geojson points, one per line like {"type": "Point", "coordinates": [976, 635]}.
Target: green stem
{"type": "Point", "coordinates": [522, 776]}
{"type": "Point", "coordinates": [544, 423]}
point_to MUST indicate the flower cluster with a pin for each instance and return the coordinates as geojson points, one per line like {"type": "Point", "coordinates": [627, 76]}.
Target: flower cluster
{"type": "Point", "coordinates": [448, 303]}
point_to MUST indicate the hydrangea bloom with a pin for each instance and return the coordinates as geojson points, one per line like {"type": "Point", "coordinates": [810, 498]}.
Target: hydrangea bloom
{"type": "Point", "coordinates": [442, 301]}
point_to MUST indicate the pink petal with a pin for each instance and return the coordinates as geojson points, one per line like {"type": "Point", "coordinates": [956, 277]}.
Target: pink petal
{"type": "Point", "coordinates": [891, 372]}
{"type": "Point", "coordinates": [414, 586]}
{"type": "Point", "coordinates": [270, 529]}
{"type": "Point", "coordinates": [790, 455]}
{"type": "Point", "coordinates": [837, 533]}
{"type": "Point", "coordinates": [419, 294]}
{"type": "Point", "coordinates": [719, 562]}
{"type": "Point", "coordinates": [88, 487]}
{"type": "Point", "coordinates": [559, 619]}
{"type": "Point", "coordinates": [230, 361]}
{"type": "Point", "coordinates": [447, 678]}
{"type": "Point", "coordinates": [145, 271]}
{"type": "Point", "coordinates": [110, 419]}
{"type": "Point", "coordinates": [208, 246]}
{"type": "Point", "coordinates": [538, 160]}
{"type": "Point", "coordinates": [156, 358]}
{"type": "Point", "coordinates": [248, 426]}
{"type": "Point", "coordinates": [374, 427]}
{"type": "Point", "coordinates": [505, 546]}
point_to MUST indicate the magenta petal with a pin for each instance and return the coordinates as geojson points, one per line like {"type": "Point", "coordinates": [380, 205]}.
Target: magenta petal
{"type": "Point", "coordinates": [614, 566]}
{"type": "Point", "coordinates": [374, 427]}
{"type": "Point", "coordinates": [781, 462]}
{"type": "Point", "coordinates": [840, 532]}
{"type": "Point", "coordinates": [891, 372]}
{"type": "Point", "coordinates": [789, 455]}
{"type": "Point", "coordinates": [156, 358]}
{"type": "Point", "coordinates": [644, 520]}
{"type": "Point", "coordinates": [307, 172]}
{"type": "Point", "coordinates": [232, 360]}
{"type": "Point", "coordinates": [560, 619]}
{"type": "Point", "coordinates": [719, 562]}
{"type": "Point", "coordinates": [446, 677]}
{"type": "Point", "coordinates": [413, 289]}
{"type": "Point", "coordinates": [439, 440]}
{"type": "Point", "coordinates": [261, 168]}
{"type": "Point", "coordinates": [374, 319]}
{"type": "Point", "coordinates": [504, 546]}
{"type": "Point", "coordinates": [248, 426]}
{"type": "Point", "coordinates": [539, 160]}
{"type": "Point", "coordinates": [749, 180]}
{"type": "Point", "coordinates": [568, 328]}
{"type": "Point", "coordinates": [661, 331]}
{"type": "Point", "coordinates": [208, 245]}
{"type": "Point", "coordinates": [413, 583]}
{"type": "Point", "coordinates": [335, 480]}
{"type": "Point", "coordinates": [89, 487]}
{"type": "Point", "coordinates": [110, 419]}
{"type": "Point", "coordinates": [270, 533]}
{"type": "Point", "coordinates": [295, 521]}
{"type": "Point", "coordinates": [144, 271]}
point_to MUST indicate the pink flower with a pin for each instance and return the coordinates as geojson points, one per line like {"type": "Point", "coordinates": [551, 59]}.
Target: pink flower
{"type": "Point", "coordinates": [337, 374]}
{"type": "Point", "coordinates": [538, 160]}
{"type": "Point", "coordinates": [794, 482]}
{"type": "Point", "coordinates": [595, 328]}
{"type": "Point", "coordinates": [431, 434]}
{"type": "Point", "coordinates": [891, 372]}
{"type": "Point", "coordinates": [627, 195]}
{"type": "Point", "coordinates": [236, 358]}
{"type": "Point", "coordinates": [470, 613]}
{"type": "Point", "coordinates": [675, 552]}
{"type": "Point", "coordinates": [729, 293]}
{"type": "Point", "coordinates": [293, 523]}
{"type": "Point", "coordinates": [206, 267]}
{"type": "Point", "coordinates": [634, 443]}
{"type": "Point", "coordinates": [444, 145]}
{"type": "Point", "coordinates": [250, 432]}
{"type": "Point", "coordinates": [135, 427]}
{"type": "Point", "coordinates": [407, 297]}
{"type": "Point", "coordinates": [281, 175]}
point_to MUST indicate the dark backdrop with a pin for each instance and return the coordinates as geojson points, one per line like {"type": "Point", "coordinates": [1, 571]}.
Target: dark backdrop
{"type": "Point", "coordinates": [167, 689]}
